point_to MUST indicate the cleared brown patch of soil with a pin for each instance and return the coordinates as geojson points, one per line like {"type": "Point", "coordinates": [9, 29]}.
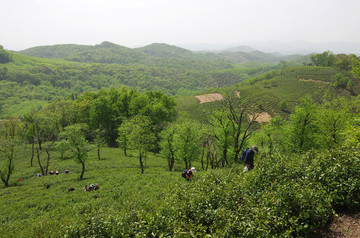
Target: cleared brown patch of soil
{"type": "Point", "coordinates": [345, 225]}
{"type": "Point", "coordinates": [262, 117]}
{"type": "Point", "coordinates": [211, 97]}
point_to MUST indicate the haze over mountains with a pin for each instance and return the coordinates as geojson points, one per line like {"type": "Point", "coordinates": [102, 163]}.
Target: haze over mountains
{"type": "Point", "coordinates": [274, 47]}
{"type": "Point", "coordinates": [285, 48]}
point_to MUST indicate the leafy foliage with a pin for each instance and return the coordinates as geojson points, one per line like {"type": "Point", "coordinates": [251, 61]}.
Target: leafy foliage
{"type": "Point", "coordinates": [74, 136]}
{"type": "Point", "coordinates": [4, 56]}
{"type": "Point", "coordinates": [140, 137]}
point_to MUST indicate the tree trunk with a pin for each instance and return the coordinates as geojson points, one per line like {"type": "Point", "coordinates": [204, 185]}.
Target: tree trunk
{"type": "Point", "coordinates": [48, 160]}
{"type": "Point", "coordinates": [40, 148]}
{"type": "Point", "coordinates": [98, 152]}
{"type": "Point", "coordinates": [141, 164]}
{"type": "Point", "coordinates": [39, 162]}
{"type": "Point", "coordinates": [225, 157]}
{"type": "Point", "coordinates": [32, 153]}
{"type": "Point", "coordinates": [82, 171]}
{"type": "Point", "coordinates": [202, 158]}
{"type": "Point", "coordinates": [172, 159]}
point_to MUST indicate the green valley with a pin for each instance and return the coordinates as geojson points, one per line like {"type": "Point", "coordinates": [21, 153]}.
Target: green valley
{"type": "Point", "coordinates": [131, 120]}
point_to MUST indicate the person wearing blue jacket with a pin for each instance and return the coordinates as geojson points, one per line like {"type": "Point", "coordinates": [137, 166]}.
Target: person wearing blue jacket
{"type": "Point", "coordinates": [249, 157]}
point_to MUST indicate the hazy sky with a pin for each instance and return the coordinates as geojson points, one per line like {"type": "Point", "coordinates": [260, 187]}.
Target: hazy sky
{"type": "Point", "coordinates": [132, 23]}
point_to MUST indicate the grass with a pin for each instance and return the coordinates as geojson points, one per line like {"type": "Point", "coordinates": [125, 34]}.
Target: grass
{"type": "Point", "coordinates": [38, 205]}
{"type": "Point", "coordinates": [284, 199]}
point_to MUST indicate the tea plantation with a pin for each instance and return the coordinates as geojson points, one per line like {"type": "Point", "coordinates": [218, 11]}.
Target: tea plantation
{"type": "Point", "coordinates": [281, 197]}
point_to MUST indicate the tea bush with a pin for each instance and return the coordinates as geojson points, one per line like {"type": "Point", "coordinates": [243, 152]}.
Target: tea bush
{"type": "Point", "coordinates": [284, 196]}
{"type": "Point", "coordinates": [338, 172]}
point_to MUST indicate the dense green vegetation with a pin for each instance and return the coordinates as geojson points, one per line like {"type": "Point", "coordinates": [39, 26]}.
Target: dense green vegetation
{"type": "Point", "coordinates": [172, 70]}
{"type": "Point", "coordinates": [134, 144]}
{"type": "Point", "coordinates": [290, 192]}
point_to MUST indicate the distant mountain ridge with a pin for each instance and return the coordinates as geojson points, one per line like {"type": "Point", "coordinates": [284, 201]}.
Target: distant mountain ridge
{"type": "Point", "coordinates": [156, 54]}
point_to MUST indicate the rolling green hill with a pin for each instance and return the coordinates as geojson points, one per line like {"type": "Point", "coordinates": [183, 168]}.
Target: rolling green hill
{"type": "Point", "coordinates": [34, 81]}
{"type": "Point", "coordinates": [277, 92]}
{"type": "Point", "coordinates": [159, 55]}
{"type": "Point", "coordinates": [154, 55]}
{"type": "Point", "coordinates": [55, 51]}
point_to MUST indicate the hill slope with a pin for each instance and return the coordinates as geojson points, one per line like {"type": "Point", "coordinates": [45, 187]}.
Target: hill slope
{"type": "Point", "coordinates": [28, 82]}
{"type": "Point", "coordinates": [154, 55]}
{"type": "Point", "coordinates": [276, 92]}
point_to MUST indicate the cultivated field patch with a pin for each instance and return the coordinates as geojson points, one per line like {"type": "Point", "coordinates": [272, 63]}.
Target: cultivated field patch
{"type": "Point", "coordinates": [262, 117]}
{"type": "Point", "coordinates": [211, 97]}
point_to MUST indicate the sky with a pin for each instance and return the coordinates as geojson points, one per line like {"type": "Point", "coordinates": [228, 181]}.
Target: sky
{"type": "Point", "coordinates": [134, 23]}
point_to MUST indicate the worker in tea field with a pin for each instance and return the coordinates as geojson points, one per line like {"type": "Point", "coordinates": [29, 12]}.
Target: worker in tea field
{"type": "Point", "coordinates": [249, 158]}
{"type": "Point", "coordinates": [188, 174]}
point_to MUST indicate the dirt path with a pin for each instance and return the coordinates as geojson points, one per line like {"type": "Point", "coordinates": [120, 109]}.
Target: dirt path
{"type": "Point", "coordinates": [312, 80]}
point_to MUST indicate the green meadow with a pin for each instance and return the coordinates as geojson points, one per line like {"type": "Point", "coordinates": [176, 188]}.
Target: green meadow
{"type": "Point", "coordinates": [43, 206]}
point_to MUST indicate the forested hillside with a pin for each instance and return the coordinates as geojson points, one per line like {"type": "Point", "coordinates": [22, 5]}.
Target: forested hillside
{"type": "Point", "coordinates": [156, 54]}
{"type": "Point", "coordinates": [28, 82]}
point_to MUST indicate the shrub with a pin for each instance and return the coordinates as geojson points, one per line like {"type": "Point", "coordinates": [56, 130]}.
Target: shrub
{"type": "Point", "coordinates": [338, 172]}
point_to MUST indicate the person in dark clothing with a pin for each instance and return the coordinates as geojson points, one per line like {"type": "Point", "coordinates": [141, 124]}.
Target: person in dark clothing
{"type": "Point", "coordinates": [188, 174]}
{"type": "Point", "coordinates": [249, 157]}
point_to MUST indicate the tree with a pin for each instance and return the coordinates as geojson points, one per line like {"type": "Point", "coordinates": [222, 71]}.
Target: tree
{"type": "Point", "coordinates": [222, 130]}
{"type": "Point", "coordinates": [303, 128]}
{"type": "Point", "coordinates": [62, 147]}
{"type": "Point", "coordinates": [140, 136]}
{"type": "Point", "coordinates": [343, 61]}
{"type": "Point", "coordinates": [271, 136]}
{"type": "Point", "coordinates": [356, 68]}
{"type": "Point", "coordinates": [123, 138]}
{"type": "Point", "coordinates": [30, 134]}
{"type": "Point", "coordinates": [74, 136]}
{"type": "Point", "coordinates": [43, 127]}
{"type": "Point", "coordinates": [340, 81]}
{"type": "Point", "coordinates": [99, 141]}
{"type": "Point", "coordinates": [209, 150]}
{"type": "Point", "coordinates": [242, 119]}
{"type": "Point", "coordinates": [158, 107]}
{"type": "Point", "coordinates": [333, 117]}
{"type": "Point", "coordinates": [9, 139]}
{"type": "Point", "coordinates": [187, 141]}
{"type": "Point", "coordinates": [4, 56]}
{"type": "Point", "coordinates": [332, 125]}
{"type": "Point", "coordinates": [326, 59]}
{"type": "Point", "coordinates": [102, 115]}
{"type": "Point", "coordinates": [167, 145]}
